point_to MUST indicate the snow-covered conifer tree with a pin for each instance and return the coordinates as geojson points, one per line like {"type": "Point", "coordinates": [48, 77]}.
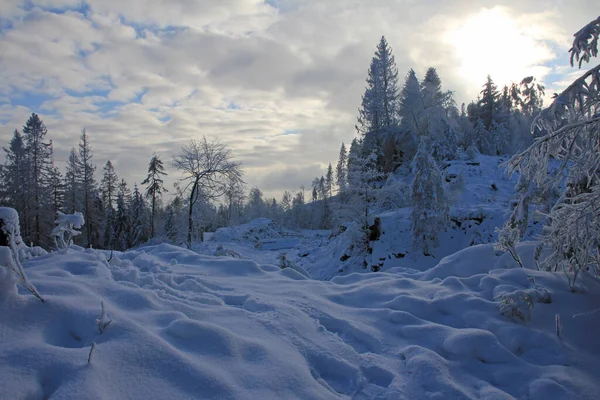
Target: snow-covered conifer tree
{"type": "Point", "coordinates": [430, 202]}
{"type": "Point", "coordinates": [109, 184]}
{"type": "Point", "coordinates": [87, 183]}
{"type": "Point", "coordinates": [435, 123]}
{"type": "Point", "coordinates": [255, 207]}
{"type": "Point", "coordinates": [341, 172]}
{"type": "Point", "coordinates": [72, 189]}
{"type": "Point", "coordinates": [363, 178]}
{"type": "Point", "coordinates": [39, 155]}
{"type": "Point", "coordinates": [489, 105]}
{"type": "Point", "coordinates": [154, 186]}
{"type": "Point", "coordinates": [57, 188]}
{"type": "Point", "coordinates": [234, 197]}
{"type": "Point", "coordinates": [378, 114]}
{"type": "Point", "coordinates": [13, 174]}
{"type": "Point", "coordinates": [329, 181]}
{"type": "Point", "coordinates": [138, 215]}
{"type": "Point", "coordinates": [529, 96]}
{"type": "Point", "coordinates": [108, 188]}
{"type": "Point", "coordinates": [122, 225]}
{"type": "Point", "coordinates": [353, 155]}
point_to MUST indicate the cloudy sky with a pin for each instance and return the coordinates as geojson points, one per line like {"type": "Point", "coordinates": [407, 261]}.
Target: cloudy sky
{"type": "Point", "coordinates": [278, 80]}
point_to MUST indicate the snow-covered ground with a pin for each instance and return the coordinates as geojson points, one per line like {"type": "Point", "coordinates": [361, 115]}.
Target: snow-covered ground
{"type": "Point", "coordinates": [185, 325]}
{"type": "Point", "coordinates": [225, 322]}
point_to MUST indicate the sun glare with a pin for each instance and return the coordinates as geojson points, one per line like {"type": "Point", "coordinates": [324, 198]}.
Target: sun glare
{"type": "Point", "coordinates": [492, 42]}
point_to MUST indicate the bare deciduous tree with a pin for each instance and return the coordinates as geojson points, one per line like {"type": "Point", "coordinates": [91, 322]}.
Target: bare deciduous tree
{"type": "Point", "coordinates": [208, 169]}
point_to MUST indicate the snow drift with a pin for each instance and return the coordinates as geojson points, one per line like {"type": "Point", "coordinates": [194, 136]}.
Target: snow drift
{"type": "Point", "coordinates": [188, 326]}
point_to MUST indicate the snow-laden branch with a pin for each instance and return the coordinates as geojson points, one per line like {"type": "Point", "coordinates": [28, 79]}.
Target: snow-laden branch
{"type": "Point", "coordinates": [585, 44]}
{"type": "Point", "coordinates": [570, 129]}
{"type": "Point", "coordinates": [66, 229]}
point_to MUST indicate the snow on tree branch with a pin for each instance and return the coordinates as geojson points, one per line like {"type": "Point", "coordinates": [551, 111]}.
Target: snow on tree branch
{"type": "Point", "coordinates": [66, 229]}
{"type": "Point", "coordinates": [586, 42]}
{"type": "Point", "coordinates": [566, 157]}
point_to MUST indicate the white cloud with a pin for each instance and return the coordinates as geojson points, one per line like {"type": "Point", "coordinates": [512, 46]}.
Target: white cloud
{"type": "Point", "coordinates": [242, 70]}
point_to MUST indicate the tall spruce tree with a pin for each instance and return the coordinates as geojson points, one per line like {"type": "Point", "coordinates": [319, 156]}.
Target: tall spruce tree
{"type": "Point", "coordinates": [354, 154]}
{"type": "Point", "coordinates": [39, 154]}
{"type": "Point", "coordinates": [13, 174]}
{"type": "Point", "coordinates": [341, 172]}
{"type": "Point", "coordinates": [122, 219]}
{"type": "Point", "coordinates": [154, 186]}
{"type": "Point", "coordinates": [378, 114]}
{"type": "Point", "coordinates": [436, 125]}
{"type": "Point", "coordinates": [108, 188]}
{"type": "Point", "coordinates": [87, 184]}
{"type": "Point", "coordinates": [489, 105]}
{"type": "Point", "coordinates": [329, 180]}
{"type": "Point", "coordinates": [138, 215]}
{"type": "Point", "coordinates": [108, 185]}
{"type": "Point", "coordinates": [57, 189]}
{"type": "Point", "coordinates": [72, 188]}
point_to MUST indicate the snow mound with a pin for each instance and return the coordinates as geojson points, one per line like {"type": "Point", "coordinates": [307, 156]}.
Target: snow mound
{"type": "Point", "coordinates": [217, 327]}
{"type": "Point", "coordinates": [252, 232]}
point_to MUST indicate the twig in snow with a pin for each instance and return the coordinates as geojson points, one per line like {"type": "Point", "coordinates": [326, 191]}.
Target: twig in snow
{"type": "Point", "coordinates": [91, 352]}
{"type": "Point", "coordinates": [103, 322]}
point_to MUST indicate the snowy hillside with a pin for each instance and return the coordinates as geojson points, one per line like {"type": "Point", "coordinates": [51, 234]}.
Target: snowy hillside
{"type": "Point", "coordinates": [185, 325]}
{"type": "Point", "coordinates": [481, 192]}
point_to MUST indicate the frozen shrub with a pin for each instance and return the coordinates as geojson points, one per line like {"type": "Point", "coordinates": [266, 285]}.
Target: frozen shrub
{"type": "Point", "coordinates": [66, 229]}
{"type": "Point", "coordinates": [519, 304]}
{"type": "Point", "coordinates": [9, 255]}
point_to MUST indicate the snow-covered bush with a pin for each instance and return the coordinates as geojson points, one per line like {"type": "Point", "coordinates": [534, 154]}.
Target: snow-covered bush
{"type": "Point", "coordinates": [8, 279]}
{"type": "Point", "coordinates": [223, 252]}
{"type": "Point", "coordinates": [9, 255]}
{"type": "Point", "coordinates": [66, 229]}
{"type": "Point", "coordinates": [569, 132]}
{"type": "Point", "coordinates": [393, 195]}
{"type": "Point", "coordinates": [103, 321]}
{"type": "Point", "coordinates": [519, 303]}
{"type": "Point", "coordinates": [285, 262]}
{"type": "Point", "coordinates": [508, 237]}
{"type": "Point", "coordinates": [516, 305]}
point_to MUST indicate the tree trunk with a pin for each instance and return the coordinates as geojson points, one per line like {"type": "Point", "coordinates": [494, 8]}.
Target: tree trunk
{"type": "Point", "coordinates": [152, 215]}
{"type": "Point", "coordinates": [190, 214]}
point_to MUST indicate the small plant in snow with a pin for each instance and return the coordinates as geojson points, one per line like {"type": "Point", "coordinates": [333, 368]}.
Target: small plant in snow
{"type": "Point", "coordinates": [66, 229]}
{"type": "Point", "coordinates": [284, 263]}
{"type": "Point", "coordinates": [558, 325]}
{"type": "Point", "coordinates": [516, 305]}
{"type": "Point", "coordinates": [507, 238]}
{"type": "Point", "coordinates": [519, 304]}
{"type": "Point", "coordinates": [103, 322]}
{"type": "Point", "coordinates": [91, 353]}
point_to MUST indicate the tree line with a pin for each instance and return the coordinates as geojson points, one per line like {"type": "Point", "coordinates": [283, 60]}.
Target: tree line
{"type": "Point", "coordinates": [406, 133]}
{"type": "Point", "coordinates": [116, 217]}
{"type": "Point", "coordinates": [401, 130]}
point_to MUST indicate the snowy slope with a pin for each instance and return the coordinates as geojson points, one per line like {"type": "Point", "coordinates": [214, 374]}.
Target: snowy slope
{"type": "Point", "coordinates": [191, 326]}
{"type": "Point", "coordinates": [481, 204]}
